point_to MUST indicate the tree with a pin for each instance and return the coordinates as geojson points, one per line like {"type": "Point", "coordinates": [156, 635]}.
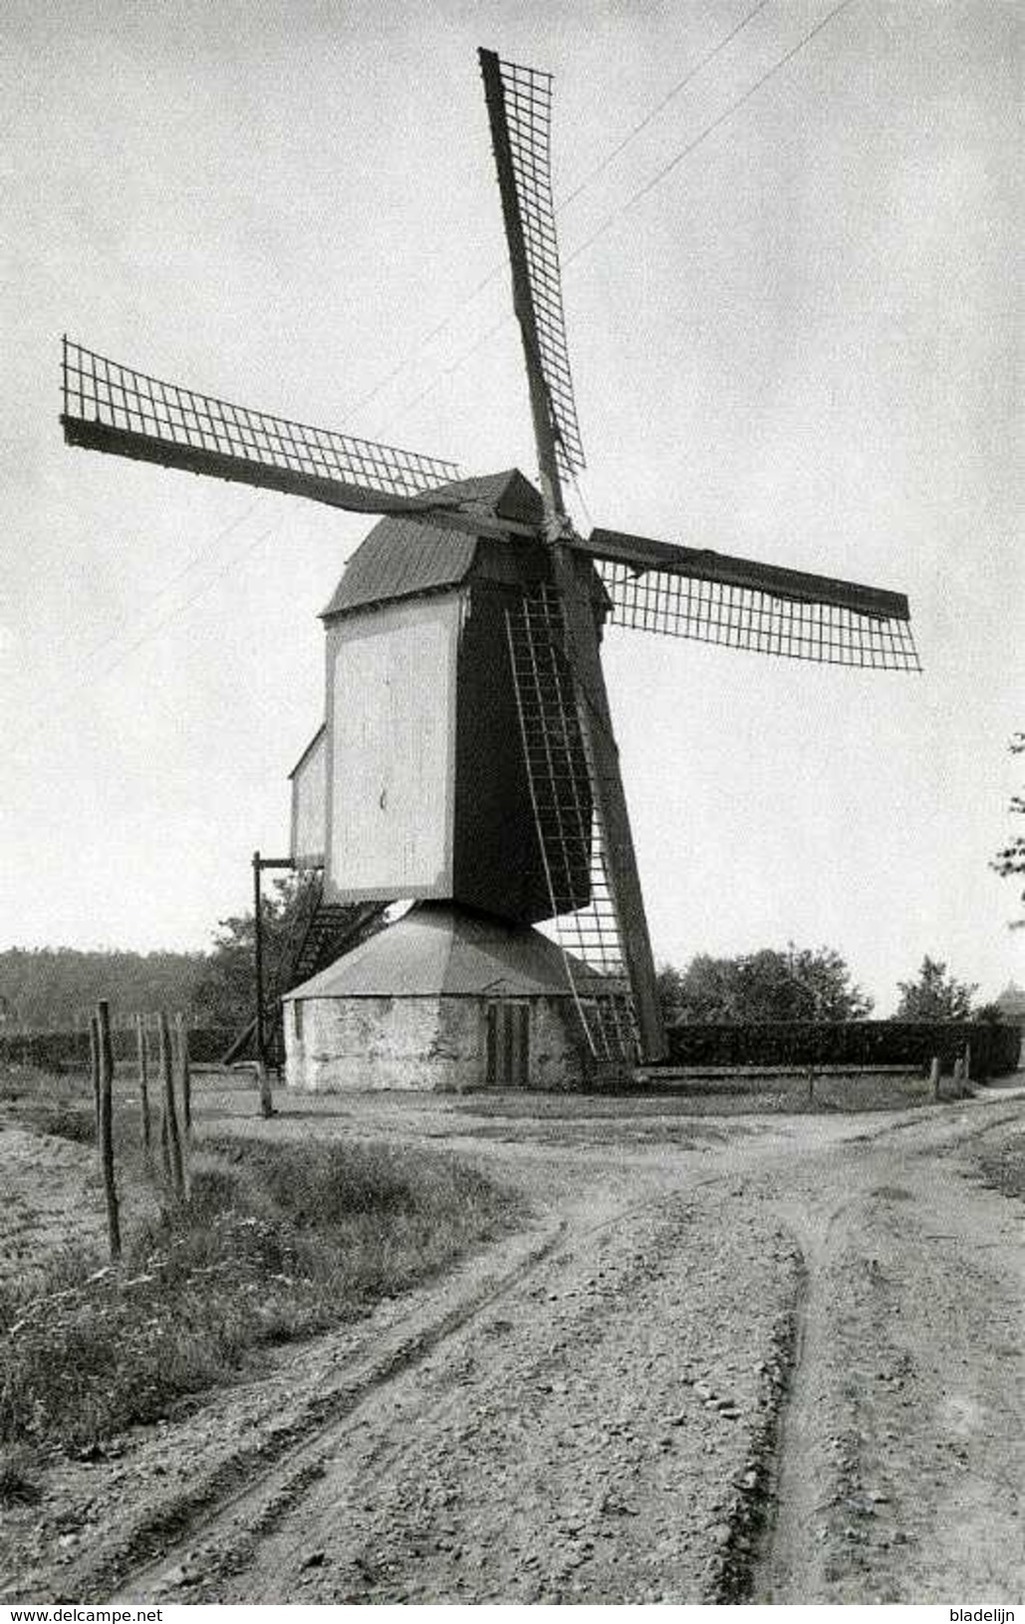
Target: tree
{"type": "Point", "coordinates": [935, 996]}
{"type": "Point", "coordinates": [1011, 860]}
{"type": "Point", "coordinates": [225, 991]}
{"type": "Point", "coordinates": [794, 985]}
{"type": "Point", "coordinates": [47, 988]}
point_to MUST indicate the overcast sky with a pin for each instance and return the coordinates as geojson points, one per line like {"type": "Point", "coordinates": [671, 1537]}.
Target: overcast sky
{"type": "Point", "coordinates": [799, 346]}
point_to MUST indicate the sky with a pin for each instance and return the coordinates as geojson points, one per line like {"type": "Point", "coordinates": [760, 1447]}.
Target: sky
{"type": "Point", "coordinates": [797, 345]}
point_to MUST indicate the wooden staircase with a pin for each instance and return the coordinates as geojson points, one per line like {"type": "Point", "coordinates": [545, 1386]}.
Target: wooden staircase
{"type": "Point", "coordinates": [320, 932]}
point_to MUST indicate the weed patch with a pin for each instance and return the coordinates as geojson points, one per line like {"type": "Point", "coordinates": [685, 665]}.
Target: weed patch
{"type": "Point", "coordinates": [47, 1103]}
{"type": "Point", "coordinates": [1003, 1168]}
{"type": "Point", "coordinates": [18, 1482]}
{"type": "Point", "coordinates": [274, 1243]}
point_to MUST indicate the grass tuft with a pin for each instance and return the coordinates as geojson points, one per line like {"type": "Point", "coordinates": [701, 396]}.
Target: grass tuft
{"type": "Point", "coordinates": [18, 1483]}
{"type": "Point", "coordinates": [274, 1243]}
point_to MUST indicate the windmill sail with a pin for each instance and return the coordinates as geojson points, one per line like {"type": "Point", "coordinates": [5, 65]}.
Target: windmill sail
{"type": "Point", "coordinates": [519, 101]}
{"type": "Point", "coordinates": [520, 110]}
{"type": "Point", "coordinates": [714, 598]}
{"type": "Point", "coordinates": [569, 825]}
{"type": "Point", "coordinates": [109, 407]}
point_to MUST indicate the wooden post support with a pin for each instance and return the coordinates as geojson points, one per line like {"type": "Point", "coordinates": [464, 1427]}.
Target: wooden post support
{"type": "Point", "coordinates": [261, 1055]}
{"type": "Point", "coordinates": [572, 577]}
{"type": "Point", "coordinates": [967, 1064]}
{"type": "Point", "coordinates": [105, 1135]}
{"type": "Point", "coordinates": [263, 1083]}
{"type": "Point", "coordinates": [811, 1085]}
{"type": "Point", "coordinates": [143, 1061]}
{"type": "Point", "coordinates": [934, 1076]}
{"type": "Point", "coordinates": [181, 1034]}
{"type": "Point", "coordinates": [94, 1065]}
{"type": "Point", "coordinates": [174, 1146]}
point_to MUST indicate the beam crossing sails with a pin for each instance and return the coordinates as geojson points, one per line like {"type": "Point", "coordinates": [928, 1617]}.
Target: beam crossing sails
{"type": "Point", "coordinates": [747, 617]}
{"type": "Point", "coordinates": [114, 408]}
{"type": "Point", "coordinates": [559, 772]}
{"type": "Point", "coordinates": [520, 100]}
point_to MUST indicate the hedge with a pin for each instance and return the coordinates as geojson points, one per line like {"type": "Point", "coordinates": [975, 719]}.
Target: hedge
{"type": "Point", "coordinates": [69, 1051]}
{"type": "Point", "coordinates": [994, 1048]}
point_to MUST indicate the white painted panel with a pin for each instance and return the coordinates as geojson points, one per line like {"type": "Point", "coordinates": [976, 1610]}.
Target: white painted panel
{"type": "Point", "coordinates": [391, 711]}
{"type": "Point", "coordinates": [309, 804]}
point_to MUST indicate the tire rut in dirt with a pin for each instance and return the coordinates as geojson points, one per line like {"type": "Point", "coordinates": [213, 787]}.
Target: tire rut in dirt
{"type": "Point", "coordinates": [275, 1472]}
{"type": "Point", "coordinates": [591, 1440]}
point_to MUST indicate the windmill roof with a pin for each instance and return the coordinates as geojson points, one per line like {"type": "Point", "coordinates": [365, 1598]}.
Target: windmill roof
{"type": "Point", "coordinates": [438, 949]}
{"type": "Point", "coordinates": [402, 558]}
{"type": "Point", "coordinates": [316, 739]}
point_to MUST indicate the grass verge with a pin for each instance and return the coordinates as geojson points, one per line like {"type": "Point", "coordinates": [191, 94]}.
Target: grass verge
{"type": "Point", "coordinates": [1002, 1167]}
{"type": "Point", "coordinates": [48, 1102]}
{"type": "Point", "coordinates": [720, 1096]}
{"type": "Point", "coordinates": [275, 1242]}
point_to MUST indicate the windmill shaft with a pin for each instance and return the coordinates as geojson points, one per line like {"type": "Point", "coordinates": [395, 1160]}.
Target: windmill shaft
{"type": "Point", "coordinates": [642, 553]}
{"type": "Point", "coordinates": [266, 476]}
{"type": "Point", "coordinates": [572, 574]}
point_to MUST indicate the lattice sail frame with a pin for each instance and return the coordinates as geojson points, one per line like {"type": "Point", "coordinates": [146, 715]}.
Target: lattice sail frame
{"type": "Point", "coordinates": [97, 390]}
{"type": "Point", "coordinates": [527, 104]}
{"type": "Point", "coordinates": [677, 605]}
{"type": "Point", "coordinates": [560, 773]}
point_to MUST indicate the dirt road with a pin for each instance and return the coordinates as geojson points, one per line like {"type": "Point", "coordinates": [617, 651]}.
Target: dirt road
{"type": "Point", "coordinates": [774, 1359]}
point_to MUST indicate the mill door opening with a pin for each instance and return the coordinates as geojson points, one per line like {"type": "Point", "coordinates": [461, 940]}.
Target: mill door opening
{"type": "Point", "coordinates": [508, 1043]}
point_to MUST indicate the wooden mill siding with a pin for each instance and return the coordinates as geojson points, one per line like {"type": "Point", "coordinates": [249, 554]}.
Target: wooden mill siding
{"type": "Point", "coordinates": [309, 803]}
{"type": "Point", "coordinates": [391, 699]}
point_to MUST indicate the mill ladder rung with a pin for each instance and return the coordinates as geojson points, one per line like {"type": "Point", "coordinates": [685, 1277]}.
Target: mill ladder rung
{"type": "Point", "coordinates": [569, 831]}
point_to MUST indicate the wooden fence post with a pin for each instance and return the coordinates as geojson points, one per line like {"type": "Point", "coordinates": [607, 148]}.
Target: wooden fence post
{"type": "Point", "coordinates": [105, 1136]}
{"type": "Point", "coordinates": [143, 1059]}
{"type": "Point", "coordinates": [94, 1064]}
{"type": "Point", "coordinates": [263, 1083]}
{"type": "Point", "coordinates": [174, 1147]}
{"type": "Point", "coordinates": [181, 1035]}
{"type": "Point", "coordinates": [934, 1076]}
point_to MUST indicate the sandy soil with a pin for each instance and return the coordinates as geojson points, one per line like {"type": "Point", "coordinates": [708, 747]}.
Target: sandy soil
{"type": "Point", "coordinates": [47, 1200]}
{"type": "Point", "coordinates": [771, 1358]}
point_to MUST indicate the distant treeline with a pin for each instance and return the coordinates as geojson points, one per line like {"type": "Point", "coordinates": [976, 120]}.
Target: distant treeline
{"type": "Point", "coordinates": [52, 989]}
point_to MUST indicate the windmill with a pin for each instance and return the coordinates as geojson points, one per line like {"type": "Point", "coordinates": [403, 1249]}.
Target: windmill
{"type": "Point", "coordinates": [501, 605]}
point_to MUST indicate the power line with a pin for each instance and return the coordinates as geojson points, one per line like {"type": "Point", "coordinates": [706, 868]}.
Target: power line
{"type": "Point", "coordinates": [685, 152]}
{"type": "Point", "coordinates": [649, 118]}
{"type": "Point", "coordinates": [581, 186]}
{"type": "Point", "coordinates": [186, 603]}
{"type": "Point", "coordinates": [440, 327]}
{"type": "Point", "coordinates": [179, 575]}
{"type": "Point", "coordinates": [159, 626]}
{"type": "Point", "coordinates": [497, 327]}
{"type": "Point", "coordinates": [636, 197]}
